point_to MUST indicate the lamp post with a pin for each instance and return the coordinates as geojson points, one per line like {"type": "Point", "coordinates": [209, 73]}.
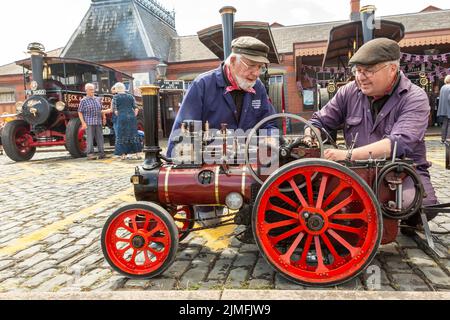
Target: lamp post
{"type": "Point", "coordinates": [161, 70]}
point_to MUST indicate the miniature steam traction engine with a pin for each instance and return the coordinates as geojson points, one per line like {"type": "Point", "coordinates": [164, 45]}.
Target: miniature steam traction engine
{"type": "Point", "coordinates": [317, 222]}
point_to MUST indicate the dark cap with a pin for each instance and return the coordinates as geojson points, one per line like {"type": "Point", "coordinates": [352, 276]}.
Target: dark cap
{"type": "Point", "coordinates": [376, 51]}
{"type": "Point", "coordinates": [251, 48]}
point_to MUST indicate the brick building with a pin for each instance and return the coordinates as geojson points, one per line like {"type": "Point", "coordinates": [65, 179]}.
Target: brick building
{"type": "Point", "coordinates": [134, 36]}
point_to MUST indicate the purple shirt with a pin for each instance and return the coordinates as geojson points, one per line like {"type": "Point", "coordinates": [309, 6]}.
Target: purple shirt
{"type": "Point", "coordinates": [403, 119]}
{"type": "Point", "coordinates": [91, 109]}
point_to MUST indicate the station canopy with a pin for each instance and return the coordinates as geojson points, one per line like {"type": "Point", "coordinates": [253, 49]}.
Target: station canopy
{"type": "Point", "coordinates": [212, 37]}
{"type": "Point", "coordinates": [349, 36]}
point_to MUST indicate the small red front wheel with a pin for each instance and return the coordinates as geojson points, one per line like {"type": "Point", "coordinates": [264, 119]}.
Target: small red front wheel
{"type": "Point", "coordinates": [140, 240]}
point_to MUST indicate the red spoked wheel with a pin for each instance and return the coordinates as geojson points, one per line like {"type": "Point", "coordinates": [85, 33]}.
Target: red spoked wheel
{"type": "Point", "coordinates": [140, 240]}
{"type": "Point", "coordinates": [82, 143]}
{"type": "Point", "coordinates": [184, 220]}
{"type": "Point", "coordinates": [17, 140]}
{"type": "Point", "coordinates": [317, 222]}
{"type": "Point", "coordinates": [76, 138]}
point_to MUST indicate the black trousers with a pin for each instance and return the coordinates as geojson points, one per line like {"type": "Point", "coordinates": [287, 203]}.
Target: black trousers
{"type": "Point", "coordinates": [444, 130]}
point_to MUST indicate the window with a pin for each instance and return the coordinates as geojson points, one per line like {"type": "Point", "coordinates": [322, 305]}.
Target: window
{"type": "Point", "coordinates": [323, 75]}
{"type": "Point", "coordinates": [276, 79]}
{"type": "Point", "coordinates": [104, 82]}
{"type": "Point", "coordinates": [89, 77]}
{"type": "Point", "coordinates": [7, 96]}
{"type": "Point", "coordinates": [141, 79]}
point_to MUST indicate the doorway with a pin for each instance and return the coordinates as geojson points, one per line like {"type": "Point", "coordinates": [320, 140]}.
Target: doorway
{"type": "Point", "coordinates": [170, 102]}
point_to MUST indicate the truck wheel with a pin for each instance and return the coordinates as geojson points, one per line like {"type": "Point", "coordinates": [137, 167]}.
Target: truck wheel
{"type": "Point", "coordinates": [140, 240]}
{"type": "Point", "coordinates": [16, 139]}
{"type": "Point", "coordinates": [76, 138]}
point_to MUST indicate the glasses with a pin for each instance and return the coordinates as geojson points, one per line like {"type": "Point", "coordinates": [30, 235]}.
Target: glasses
{"type": "Point", "coordinates": [259, 68]}
{"type": "Point", "coordinates": [368, 73]}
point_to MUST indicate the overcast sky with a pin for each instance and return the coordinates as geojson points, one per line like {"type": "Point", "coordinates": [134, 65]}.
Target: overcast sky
{"type": "Point", "coordinates": [58, 19]}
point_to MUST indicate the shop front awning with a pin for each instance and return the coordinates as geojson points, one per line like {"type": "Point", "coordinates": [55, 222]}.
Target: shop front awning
{"type": "Point", "coordinates": [349, 37]}
{"type": "Point", "coordinates": [425, 41]}
{"type": "Point", "coordinates": [212, 37]}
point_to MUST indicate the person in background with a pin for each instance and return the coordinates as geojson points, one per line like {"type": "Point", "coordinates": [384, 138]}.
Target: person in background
{"type": "Point", "coordinates": [128, 145]}
{"type": "Point", "coordinates": [444, 109]}
{"type": "Point", "coordinates": [92, 119]}
{"type": "Point", "coordinates": [112, 110]}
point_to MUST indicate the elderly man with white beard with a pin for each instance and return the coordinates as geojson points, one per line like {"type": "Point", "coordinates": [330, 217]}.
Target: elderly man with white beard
{"type": "Point", "coordinates": [231, 94]}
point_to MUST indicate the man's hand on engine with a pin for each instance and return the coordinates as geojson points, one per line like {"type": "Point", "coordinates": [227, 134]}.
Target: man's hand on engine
{"type": "Point", "coordinates": [335, 154]}
{"type": "Point", "coordinates": [309, 137]}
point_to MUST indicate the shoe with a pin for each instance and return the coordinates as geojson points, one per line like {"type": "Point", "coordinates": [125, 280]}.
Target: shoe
{"type": "Point", "coordinates": [91, 157]}
{"type": "Point", "coordinates": [123, 157]}
{"type": "Point", "coordinates": [102, 156]}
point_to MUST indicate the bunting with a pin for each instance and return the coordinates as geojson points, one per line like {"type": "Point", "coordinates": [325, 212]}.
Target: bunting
{"type": "Point", "coordinates": [410, 64]}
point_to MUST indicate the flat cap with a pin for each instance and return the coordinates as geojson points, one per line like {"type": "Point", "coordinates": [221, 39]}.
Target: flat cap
{"type": "Point", "coordinates": [251, 48]}
{"type": "Point", "coordinates": [376, 51]}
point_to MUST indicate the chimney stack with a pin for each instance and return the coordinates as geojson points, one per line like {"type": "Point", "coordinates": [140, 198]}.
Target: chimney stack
{"type": "Point", "coordinates": [368, 22]}
{"type": "Point", "coordinates": [151, 144]}
{"type": "Point", "coordinates": [227, 29]}
{"type": "Point", "coordinates": [37, 52]}
{"type": "Point", "coordinates": [354, 10]}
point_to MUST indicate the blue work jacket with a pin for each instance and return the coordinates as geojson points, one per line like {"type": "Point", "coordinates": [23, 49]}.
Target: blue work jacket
{"type": "Point", "coordinates": [208, 100]}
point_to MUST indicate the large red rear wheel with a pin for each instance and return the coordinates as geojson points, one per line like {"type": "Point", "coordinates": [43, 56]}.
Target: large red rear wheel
{"type": "Point", "coordinates": [140, 240]}
{"type": "Point", "coordinates": [317, 222]}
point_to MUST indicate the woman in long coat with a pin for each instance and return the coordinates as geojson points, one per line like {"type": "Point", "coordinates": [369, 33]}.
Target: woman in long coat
{"type": "Point", "coordinates": [127, 138]}
{"type": "Point", "coordinates": [444, 109]}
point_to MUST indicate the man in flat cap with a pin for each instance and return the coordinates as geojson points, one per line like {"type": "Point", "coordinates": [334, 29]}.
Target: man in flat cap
{"type": "Point", "coordinates": [384, 108]}
{"type": "Point", "coordinates": [231, 94]}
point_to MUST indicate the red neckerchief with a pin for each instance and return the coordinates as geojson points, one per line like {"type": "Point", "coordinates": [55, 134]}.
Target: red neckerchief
{"type": "Point", "coordinates": [234, 85]}
{"type": "Point", "coordinates": [388, 90]}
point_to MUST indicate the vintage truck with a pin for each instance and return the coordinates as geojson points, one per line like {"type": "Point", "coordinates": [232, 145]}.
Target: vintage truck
{"type": "Point", "coordinates": [48, 116]}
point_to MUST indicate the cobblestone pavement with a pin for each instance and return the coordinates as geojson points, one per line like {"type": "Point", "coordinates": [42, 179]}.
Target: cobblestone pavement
{"type": "Point", "coordinates": [52, 210]}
